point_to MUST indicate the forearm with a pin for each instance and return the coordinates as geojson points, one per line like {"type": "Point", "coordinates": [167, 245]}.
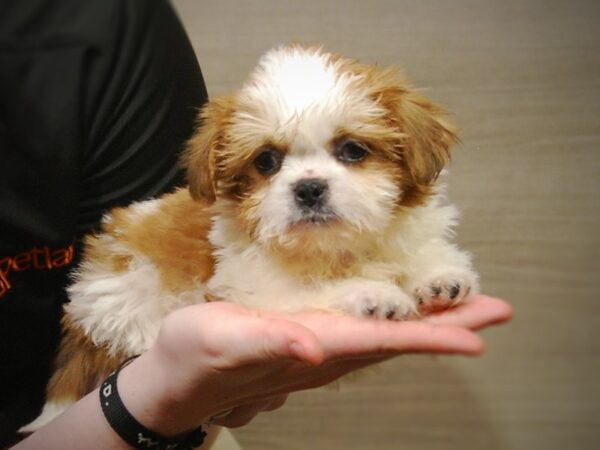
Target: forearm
{"type": "Point", "coordinates": [82, 426]}
{"type": "Point", "coordinates": [142, 389]}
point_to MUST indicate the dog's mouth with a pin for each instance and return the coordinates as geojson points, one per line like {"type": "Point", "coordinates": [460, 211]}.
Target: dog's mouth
{"type": "Point", "coordinates": [316, 218]}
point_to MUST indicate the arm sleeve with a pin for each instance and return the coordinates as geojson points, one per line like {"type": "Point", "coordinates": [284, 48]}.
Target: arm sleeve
{"type": "Point", "coordinates": [140, 110]}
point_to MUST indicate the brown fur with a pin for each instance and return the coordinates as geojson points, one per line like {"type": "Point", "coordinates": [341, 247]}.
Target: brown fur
{"type": "Point", "coordinates": [201, 155]}
{"type": "Point", "coordinates": [101, 255]}
{"type": "Point", "coordinates": [80, 365]}
{"type": "Point", "coordinates": [175, 238]}
{"type": "Point", "coordinates": [419, 137]}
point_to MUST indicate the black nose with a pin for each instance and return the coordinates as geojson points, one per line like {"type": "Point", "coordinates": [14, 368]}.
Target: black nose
{"type": "Point", "coordinates": [310, 193]}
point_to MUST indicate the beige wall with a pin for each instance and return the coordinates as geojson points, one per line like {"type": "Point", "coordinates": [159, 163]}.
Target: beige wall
{"type": "Point", "coordinates": [523, 81]}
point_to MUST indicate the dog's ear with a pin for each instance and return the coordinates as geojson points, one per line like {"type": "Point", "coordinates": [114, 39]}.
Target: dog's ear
{"type": "Point", "coordinates": [427, 138]}
{"type": "Point", "coordinates": [200, 157]}
{"type": "Point", "coordinates": [422, 136]}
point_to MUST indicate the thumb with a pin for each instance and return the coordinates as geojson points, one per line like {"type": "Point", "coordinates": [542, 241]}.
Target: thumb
{"type": "Point", "coordinates": [278, 339]}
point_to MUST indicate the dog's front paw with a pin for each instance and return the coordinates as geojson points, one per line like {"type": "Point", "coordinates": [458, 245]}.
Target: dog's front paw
{"type": "Point", "coordinates": [376, 299]}
{"type": "Point", "coordinates": [442, 287]}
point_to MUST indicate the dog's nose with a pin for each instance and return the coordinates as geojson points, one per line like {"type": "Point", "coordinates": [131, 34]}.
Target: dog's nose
{"type": "Point", "coordinates": [310, 193]}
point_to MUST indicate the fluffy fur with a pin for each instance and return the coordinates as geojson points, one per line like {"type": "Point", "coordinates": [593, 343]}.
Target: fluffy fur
{"type": "Point", "coordinates": [373, 239]}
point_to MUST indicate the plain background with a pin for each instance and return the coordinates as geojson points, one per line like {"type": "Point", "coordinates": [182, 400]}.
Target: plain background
{"type": "Point", "coordinates": [522, 80]}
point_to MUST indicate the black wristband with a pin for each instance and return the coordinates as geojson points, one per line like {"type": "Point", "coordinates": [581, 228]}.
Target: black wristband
{"type": "Point", "coordinates": [133, 432]}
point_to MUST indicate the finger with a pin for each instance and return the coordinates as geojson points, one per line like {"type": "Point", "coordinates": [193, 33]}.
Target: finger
{"type": "Point", "coordinates": [272, 339]}
{"type": "Point", "coordinates": [476, 313]}
{"type": "Point", "coordinates": [415, 337]}
{"type": "Point", "coordinates": [349, 337]}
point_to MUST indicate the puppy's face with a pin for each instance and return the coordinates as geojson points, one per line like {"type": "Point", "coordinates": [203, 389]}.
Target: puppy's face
{"type": "Point", "coordinates": [317, 150]}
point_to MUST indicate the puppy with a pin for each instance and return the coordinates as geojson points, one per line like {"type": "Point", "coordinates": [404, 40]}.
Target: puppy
{"type": "Point", "coordinates": [312, 187]}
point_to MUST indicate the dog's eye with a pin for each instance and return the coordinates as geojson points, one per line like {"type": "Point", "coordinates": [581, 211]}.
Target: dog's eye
{"type": "Point", "coordinates": [268, 162]}
{"type": "Point", "coordinates": [351, 151]}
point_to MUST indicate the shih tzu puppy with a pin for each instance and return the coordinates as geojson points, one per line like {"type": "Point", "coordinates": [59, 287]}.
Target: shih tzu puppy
{"type": "Point", "coordinates": [312, 187]}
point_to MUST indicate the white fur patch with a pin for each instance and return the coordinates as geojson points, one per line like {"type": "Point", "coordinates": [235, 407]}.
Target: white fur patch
{"type": "Point", "coordinates": [144, 208]}
{"type": "Point", "coordinates": [362, 201]}
{"type": "Point", "coordinates": [300, 96]}
{"type": "Point", "coordinates": [295, 80]}
{"type": "Point", "coordinates": [123, 310]}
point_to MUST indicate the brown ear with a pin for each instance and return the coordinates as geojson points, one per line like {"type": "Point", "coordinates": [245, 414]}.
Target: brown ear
{"type": "Point", "coordinates": [428, 138]}
{"type": "Point", "coordinates": [200, 158]}
{"type": "Point", "coordinates": [422, 138]}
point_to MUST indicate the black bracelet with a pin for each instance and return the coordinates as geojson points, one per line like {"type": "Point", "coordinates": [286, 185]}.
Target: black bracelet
{"type": "Point", "coordinates": [133, 432]}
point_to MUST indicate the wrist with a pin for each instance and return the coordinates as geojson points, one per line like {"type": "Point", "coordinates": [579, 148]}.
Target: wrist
{"type": "Point", "coordinates": [148, 391]}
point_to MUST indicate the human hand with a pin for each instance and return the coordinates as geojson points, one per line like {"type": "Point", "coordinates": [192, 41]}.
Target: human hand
{"type": "Point", "coordinates": [220, 357]}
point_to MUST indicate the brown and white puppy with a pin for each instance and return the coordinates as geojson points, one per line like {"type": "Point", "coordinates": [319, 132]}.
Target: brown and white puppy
{"type": "Point", "coordinates": [312, 187]}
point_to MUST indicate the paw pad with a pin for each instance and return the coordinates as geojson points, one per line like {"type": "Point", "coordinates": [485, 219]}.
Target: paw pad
{"type": "Point", "coordinates": [441, 290]}
{"type": "Point", "coordinates": [377, 300]}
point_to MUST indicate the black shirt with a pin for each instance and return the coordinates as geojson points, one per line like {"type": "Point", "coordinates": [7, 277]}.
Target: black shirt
{"type": "Point", "coordinates": [97, 98]}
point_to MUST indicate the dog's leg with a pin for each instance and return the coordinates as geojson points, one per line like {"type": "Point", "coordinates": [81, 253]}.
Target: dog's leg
{"type": "Point", "coordinates": [364, 297]}
{"type": "Point", "coordinates": [440, 275]}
